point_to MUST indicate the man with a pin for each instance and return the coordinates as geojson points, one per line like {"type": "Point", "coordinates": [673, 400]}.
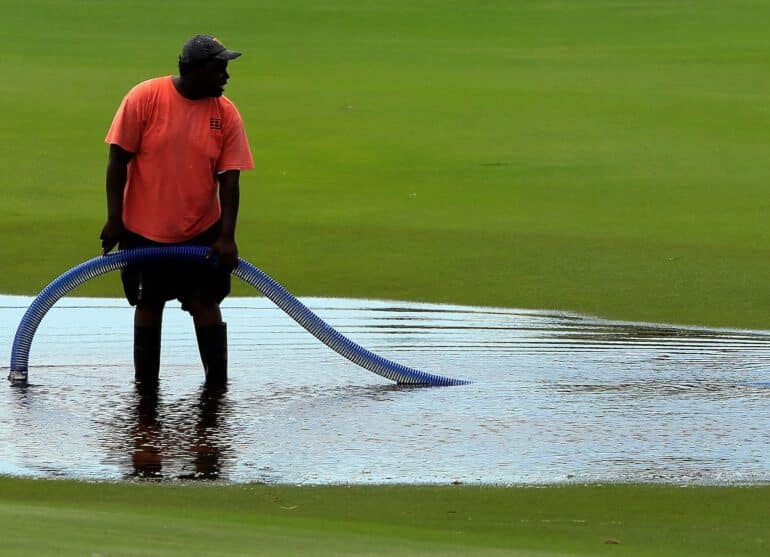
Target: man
{"type": "Point", "coordinates": [177, 147]}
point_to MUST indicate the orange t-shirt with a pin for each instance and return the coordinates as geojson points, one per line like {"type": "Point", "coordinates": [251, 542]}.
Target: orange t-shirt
{"type": "Point", "coordinates": [179, 146]}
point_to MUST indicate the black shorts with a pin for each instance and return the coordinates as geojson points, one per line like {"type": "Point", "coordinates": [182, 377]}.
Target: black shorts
{"type": "Point", "coordinates": [160, 281]}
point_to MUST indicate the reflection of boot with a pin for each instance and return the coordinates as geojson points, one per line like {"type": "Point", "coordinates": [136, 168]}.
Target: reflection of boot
{"type": "Point", "coordinates": [212, 343]}
{"type": "Point", "coordinates": [205, 446]}
{"type": "Point", "coordinates": [207, 454]}
{"type": "Point", "coordinates": [146, 354]}
{"type": "Point", "coordinates": [146, 455]}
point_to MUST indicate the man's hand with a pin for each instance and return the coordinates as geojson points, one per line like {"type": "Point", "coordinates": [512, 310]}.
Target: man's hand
{"type": "Point", "coordinates": [227, 252]}
{"type": "Point", "coordinates": [111, 234]}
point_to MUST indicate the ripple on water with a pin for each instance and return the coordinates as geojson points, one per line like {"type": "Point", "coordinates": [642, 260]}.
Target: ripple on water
{"type": "Point", "coordinates": [556, 397]}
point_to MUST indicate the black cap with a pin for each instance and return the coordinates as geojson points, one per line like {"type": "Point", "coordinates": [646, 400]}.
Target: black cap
{"type": "Point", "coordinates": [205, 47]}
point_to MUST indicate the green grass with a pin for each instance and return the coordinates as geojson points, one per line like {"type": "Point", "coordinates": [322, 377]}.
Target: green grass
{"type": "Point", "coordinates": [123, 519]}
{"type": "Point", "coordinates": [599, 156]}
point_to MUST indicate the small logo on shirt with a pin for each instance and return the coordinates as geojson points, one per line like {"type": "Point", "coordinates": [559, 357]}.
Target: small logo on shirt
{"type": "Point", "coordinates": [215, 124]}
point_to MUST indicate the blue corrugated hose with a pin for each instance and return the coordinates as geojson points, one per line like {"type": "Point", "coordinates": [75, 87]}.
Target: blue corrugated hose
{"type": "Point", "coordinates": [245, 271]}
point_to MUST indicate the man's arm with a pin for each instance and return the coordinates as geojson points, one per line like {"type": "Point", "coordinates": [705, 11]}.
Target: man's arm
{"type": "Point", "coordinates": [117, 173]}
{"type": "Point", "coordinates": [229, 196]}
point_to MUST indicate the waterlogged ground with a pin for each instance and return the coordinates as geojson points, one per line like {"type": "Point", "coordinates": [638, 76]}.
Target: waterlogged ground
{"type": "Point", "coordinates": [555, 397]}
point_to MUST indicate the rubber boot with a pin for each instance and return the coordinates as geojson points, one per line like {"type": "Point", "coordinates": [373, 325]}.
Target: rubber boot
{"type": "Point", "coordinates": [147, 354]}
{"type": "Point", "coordinates": [212, 343]}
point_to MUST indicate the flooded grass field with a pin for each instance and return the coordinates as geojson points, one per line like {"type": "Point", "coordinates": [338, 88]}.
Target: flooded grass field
{"type": "Point", "coordinates": [555, 397]}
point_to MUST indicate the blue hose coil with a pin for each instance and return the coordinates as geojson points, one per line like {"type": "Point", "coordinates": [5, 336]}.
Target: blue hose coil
{"type": "Point", "coordinates": [245, 271]}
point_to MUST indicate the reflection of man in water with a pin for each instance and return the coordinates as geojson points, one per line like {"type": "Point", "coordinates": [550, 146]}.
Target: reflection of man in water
{"type": "Point", "coordinates": [146, 455]}
{"type": "Point", "coordinates": [150, 443]}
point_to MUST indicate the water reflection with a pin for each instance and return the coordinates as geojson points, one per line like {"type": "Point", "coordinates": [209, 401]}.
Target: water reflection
{"type": "Point", "coordinates": [147, 451]}
{"type": "Point", "coordinates": [161, 433]}
{"type": "Point", "coordinates": [555, 397]}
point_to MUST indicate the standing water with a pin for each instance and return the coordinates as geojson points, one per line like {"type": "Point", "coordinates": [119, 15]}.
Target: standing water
{"type": "Point", "coordinates": [555, 397]}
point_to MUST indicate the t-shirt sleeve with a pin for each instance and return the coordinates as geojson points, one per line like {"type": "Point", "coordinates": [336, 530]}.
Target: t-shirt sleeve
{"type": "Point", "coordinates": [128, 123]}
{"type": "Point", "coordinates": [236, 154]}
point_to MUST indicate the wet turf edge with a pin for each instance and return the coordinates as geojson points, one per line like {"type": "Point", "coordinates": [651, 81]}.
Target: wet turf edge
{"type": "Point", "coordinates": [79, 518]}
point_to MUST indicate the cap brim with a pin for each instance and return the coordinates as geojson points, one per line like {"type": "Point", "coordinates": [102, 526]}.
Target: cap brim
{"type": "Point", "coordinates": [227, 55]}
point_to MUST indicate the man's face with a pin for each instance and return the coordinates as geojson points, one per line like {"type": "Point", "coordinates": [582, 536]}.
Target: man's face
{"type": "Point", "coordinates": [210, 78]}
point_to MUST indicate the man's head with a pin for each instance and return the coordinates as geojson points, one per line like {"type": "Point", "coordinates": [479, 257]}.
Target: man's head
{"type": "Point", "coordinates": [203, 65]}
